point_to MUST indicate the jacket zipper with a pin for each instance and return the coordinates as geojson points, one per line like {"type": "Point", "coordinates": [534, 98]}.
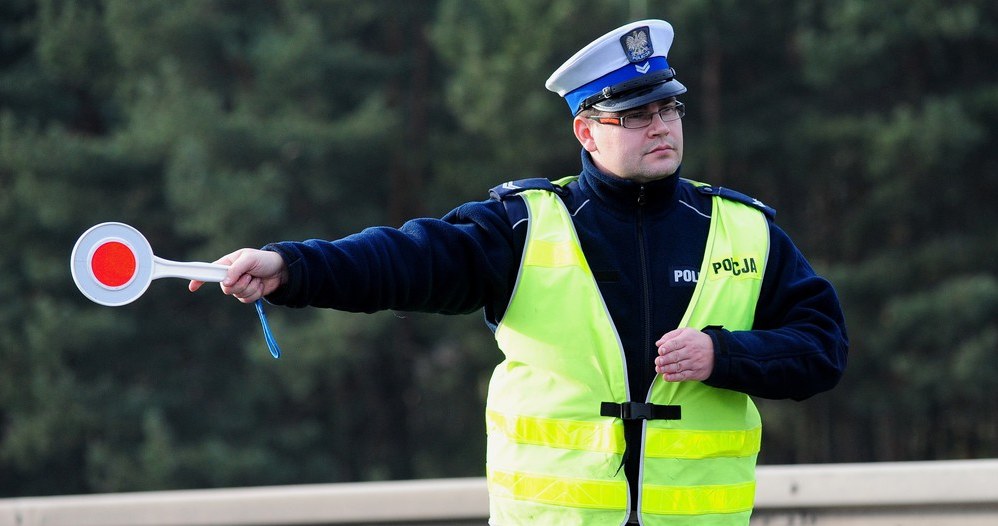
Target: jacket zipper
{"type": "Point", "coordinates": [645, 280]}
{"type": "Point", "coordinates": [646, 298]}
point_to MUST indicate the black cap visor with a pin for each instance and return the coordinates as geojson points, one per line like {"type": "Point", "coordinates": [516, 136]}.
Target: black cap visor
{"type": "Point", "coordinates": [642, 96]}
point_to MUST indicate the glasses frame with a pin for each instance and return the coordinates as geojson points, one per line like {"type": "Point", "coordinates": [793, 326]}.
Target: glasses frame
{"type": "Point", "coordinates": [677, 108]}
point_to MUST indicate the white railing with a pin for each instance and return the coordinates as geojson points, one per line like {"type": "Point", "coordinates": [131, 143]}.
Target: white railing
{"type": "Point", "coordinates": [940, 493]}
{"type": "Point", "coordinates": [876, 494]}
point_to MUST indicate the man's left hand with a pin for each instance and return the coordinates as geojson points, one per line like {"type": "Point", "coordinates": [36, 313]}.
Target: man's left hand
{"type": "Point", "coordinates": [684, 355]}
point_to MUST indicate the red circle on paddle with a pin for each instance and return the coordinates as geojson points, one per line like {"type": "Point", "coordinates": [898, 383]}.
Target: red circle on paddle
{"type": "Point", "coordinates": [113, 264]}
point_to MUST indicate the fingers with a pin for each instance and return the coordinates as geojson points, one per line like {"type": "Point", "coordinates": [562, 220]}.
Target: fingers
{"type": "Point", "coordinates": [674, 338]}
{"type": "Point", "coordinates": [195, 285]}
{"type": "Point", "coordinates": [246, 288]}
{"type": "Point", "coordinates": [252, 274]}
{"type": "Point", "coordinates": [684, 355]}
{"type": "Point", "coordinates": [241, 263]}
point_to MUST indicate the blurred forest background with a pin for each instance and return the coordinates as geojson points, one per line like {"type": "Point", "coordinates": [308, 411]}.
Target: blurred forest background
{"type": "Point", "coordinates": [872, 126]}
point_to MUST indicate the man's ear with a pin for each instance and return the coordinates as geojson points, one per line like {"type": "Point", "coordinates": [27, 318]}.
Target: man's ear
{"type": "Point", "coordinates": [584, 133]}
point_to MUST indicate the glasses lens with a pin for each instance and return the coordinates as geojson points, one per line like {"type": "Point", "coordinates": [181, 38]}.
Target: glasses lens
{"type": "Point", "coordinates": [636, 120]}
{"type": "Point", "coordinates": [673, 112]}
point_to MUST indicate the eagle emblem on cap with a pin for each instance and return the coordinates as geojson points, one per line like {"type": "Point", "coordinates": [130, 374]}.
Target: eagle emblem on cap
{"type": "Point", "coordinates": [637, 45]}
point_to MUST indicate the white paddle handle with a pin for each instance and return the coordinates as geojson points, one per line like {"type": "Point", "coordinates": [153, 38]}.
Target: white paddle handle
{"type": "Point", "coordinates": [208, 272]}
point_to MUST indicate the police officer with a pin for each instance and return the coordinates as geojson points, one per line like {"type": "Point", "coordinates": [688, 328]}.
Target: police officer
{"type": "Point", "coordinates": [637, 311]}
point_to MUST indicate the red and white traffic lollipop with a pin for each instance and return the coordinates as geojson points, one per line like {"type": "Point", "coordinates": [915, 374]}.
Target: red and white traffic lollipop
{"type": "Point", "coordinates": [113, 264]}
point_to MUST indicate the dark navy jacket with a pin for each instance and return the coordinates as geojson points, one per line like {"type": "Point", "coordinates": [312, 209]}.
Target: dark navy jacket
{"type": "Point", "coordinates": [644, 244]}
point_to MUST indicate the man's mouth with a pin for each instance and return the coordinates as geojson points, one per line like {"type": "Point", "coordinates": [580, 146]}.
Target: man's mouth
{"type": "Point", "coordinates": [661, 148]}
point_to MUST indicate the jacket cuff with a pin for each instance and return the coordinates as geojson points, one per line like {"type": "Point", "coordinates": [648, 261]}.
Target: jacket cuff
{"type": "Point", "coordinates": [722, 358]}
{"type": "Point", "coordinates": [286, 293]}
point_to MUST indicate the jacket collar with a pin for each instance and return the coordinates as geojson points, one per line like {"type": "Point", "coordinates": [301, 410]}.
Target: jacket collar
{"type": "Point", "coordinates": [622, 194]}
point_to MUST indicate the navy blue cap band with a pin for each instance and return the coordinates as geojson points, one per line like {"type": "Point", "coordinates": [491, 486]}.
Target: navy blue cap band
{"type": "Point", "coordinates": [629, 72]}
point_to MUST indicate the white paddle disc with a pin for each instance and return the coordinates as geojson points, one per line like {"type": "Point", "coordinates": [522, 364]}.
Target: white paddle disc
{"type": "Point", "coordinates": [112, 264]}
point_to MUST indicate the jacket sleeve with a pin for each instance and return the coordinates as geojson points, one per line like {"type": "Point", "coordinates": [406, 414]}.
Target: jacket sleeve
{"type": "Point", "coordinates": [798, 344]}
{"type": "Point", "coordinates": [456, 264]}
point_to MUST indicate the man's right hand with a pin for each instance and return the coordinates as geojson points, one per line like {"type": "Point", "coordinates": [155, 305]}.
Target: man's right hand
{"type": "Point", "coordinates": [252, 274]}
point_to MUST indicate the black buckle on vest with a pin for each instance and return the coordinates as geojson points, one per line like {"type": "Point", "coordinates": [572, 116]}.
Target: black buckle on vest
{"type": "Point", "coordinates": [640, 411]}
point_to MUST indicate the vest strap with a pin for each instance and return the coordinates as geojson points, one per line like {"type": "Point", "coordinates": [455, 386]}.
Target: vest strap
{"type": "Point", "coordinates": [640, 411]}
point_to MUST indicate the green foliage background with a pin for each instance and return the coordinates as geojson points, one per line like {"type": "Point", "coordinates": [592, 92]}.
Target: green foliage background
{"type": "Point", "coordinates": [210, 125]}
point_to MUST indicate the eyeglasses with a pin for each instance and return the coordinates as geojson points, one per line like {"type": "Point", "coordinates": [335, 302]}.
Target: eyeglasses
{"type": "Point", "coordinates": [671, 112]}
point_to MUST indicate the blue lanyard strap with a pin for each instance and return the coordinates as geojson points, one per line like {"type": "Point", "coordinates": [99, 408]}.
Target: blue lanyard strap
{"type": "Point", "coordinates": [275, 351]}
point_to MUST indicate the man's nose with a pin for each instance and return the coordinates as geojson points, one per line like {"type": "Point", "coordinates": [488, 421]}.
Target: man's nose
{"type": "Point", "coordinates": [658, 125]}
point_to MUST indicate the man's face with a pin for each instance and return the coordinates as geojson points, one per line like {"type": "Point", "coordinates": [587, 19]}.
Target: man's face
{"type": "Point", "coordinates": [641, 154]}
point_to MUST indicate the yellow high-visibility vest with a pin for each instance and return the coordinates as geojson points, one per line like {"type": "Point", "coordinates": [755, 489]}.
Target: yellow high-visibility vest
{"type": "Point", "coordinates": [552, 458]}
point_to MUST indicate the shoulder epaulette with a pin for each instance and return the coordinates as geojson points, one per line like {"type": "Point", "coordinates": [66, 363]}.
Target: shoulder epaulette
{"type": "Point", "coordinates": [514, 187]}
{"type": "Point", "coordinates": [728, 193]}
